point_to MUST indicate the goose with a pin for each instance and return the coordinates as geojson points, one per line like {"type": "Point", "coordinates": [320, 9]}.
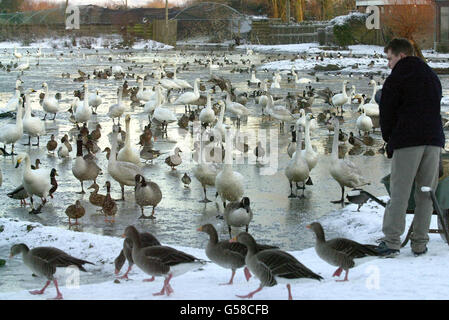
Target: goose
{"type": "Point", "coordinates": [346, 173]}
{"type": "Point", "coordinates": [144, 95]}
{"type": "Point", "coordinates": [308, 153]}
{"type": "Point", "coordinates": [160, 261]}
{"type": "Point", "coordinates": [229, 183]}
{"type": "Point", "coordinates": [43, 261]}
{"type": "Point", "coordinates": [339, 252]}
{"type": "Point", "coordinates": [207, 115]}
{"type": "Point", "coordinates": [238, 214]}
{"type": "Point", "coordinates": [95, 101]}
{"type": "Point", "coordinates": [340, 99]}
{"type": "Point", "coordinates": [11, 133]}
{"type": "Point", "coordinates": [83, 112]}
{"type": "Point", "coordinates": [35, 182]}
{"type": "Point", "coordinates": [219, 130]}
{"type": "Point", "coordinates": [147, 240]}
{"type": "Point", "coordinates": [364, 123]}
{"type": "Point", "coordinates": [33, 126]}
{"type": "Point", "coordinates": [278, 112]}
{"type": "Point", "coordinates": [174, 160]}
{"type": "Point", "coordinates": [84, 168]}
{"type": "Point", "coordinates": [297, 169]}
{"type": "Point", "coordinates": [147, 193]}
{"type": "Point", "coordinates": [205, 173]}
{"type": "Point", "coordinates": [186, 180]}
{"type": "Point", "coordinates": [122, 172]}
{"type": "Point", "coordinates": [228, 255]}
{"type": "Point", "coordinates": [75, 211]}
{"type": "Point", "coordinates": [272, 266]}
{"type": "Point", "coordinates": [127, 153]}
{"type": "Point", "coordinates": [19, 193]}
{"type": "Point", "coordinates": [188, 98]}
{"type": "Point", "coordinates": [236, 108]}
{"type": "Point", "coordinates": [254, 80]}
{"type": "Point", "coordinates": [116, 110]}
{"type": "Point", "coordinates": [50, 104]}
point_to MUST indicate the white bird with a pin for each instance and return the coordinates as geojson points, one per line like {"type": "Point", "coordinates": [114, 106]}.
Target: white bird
{"type": "Point", "coordinates": [254, 80]}
{"type": "Point", "coordinates": [301, 122]}
{"type": "Point", "coordinates": [95, 101]}
{"type": "Point", "coordinates": [364, 123]}
{"type": "Point", "coordinates": [308, 153]}
{"type": "Point", "coordinates": [205, 173]}
{"type": "Point", "coordinates": [169, 84]}
{"type": "Point", "coordinates": [276, 82]}
{"type": "Point", "coordinates": [18, 55]}
{"type": "Point", "coordinates": [127, 153]}
{"type": "Point", "coordinates": [207, 115]}
{"type": "Point", "coordinates": [188, 98]}
{"type": "Point", "coordinates": [297, 169]}
{"type": "Point", "coordinates": [180, 82]}
{"type": "Point", "coordinates": [236, 108]}
{"type": "Point", "coordinates": [83, 112]}
{"type": "Point", "coordinates": [152, 104]}
{"type": "Point", "coordinates": [50, 104]}
{"type": "Point", "coordinates": [117, 70]}
{"type": "Point", "coordinates": [219, 129]}
{"type": "Point", "coordinates": [164, 116]}
{"type": "Point", "coordinates": [371, 108]}
{"type": "Point", "coordinates": [33, 126]}
{"type": "Point", "coordinates": [340, 99]}
{"type": "Point", "coordinates": [301, 80]}
{"type": "Point", "coordinates": [144, 95]}
{"type": "Point", "coordinates": [116, 110]}
{"type": "Point", "coordinates": [11, 133]}
{"type": "Point", "coordinates": [279, 112]}
{"type": "Point", "coordinates": [24, 66]}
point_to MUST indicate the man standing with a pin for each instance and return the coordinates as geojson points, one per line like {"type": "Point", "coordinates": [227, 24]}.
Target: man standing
{"type": "Point", "coordinates": [411, 125]}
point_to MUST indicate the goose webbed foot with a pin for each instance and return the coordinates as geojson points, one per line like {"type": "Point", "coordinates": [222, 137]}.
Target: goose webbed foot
{"type": "Point", "coordinates": [147, 217]}
{"type": "Point", "coordinates": [205, 200]}
{"type": "Point", "coordinates": [36, 211]}
{"type": "Point", "coordinates": [147, 280]}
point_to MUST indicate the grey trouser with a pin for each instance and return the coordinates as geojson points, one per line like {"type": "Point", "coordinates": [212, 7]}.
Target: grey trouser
{"type": "Point", "coordinates": [418, 164]}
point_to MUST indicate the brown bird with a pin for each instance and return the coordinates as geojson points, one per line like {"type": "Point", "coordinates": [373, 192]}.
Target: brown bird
{"type": "Point", "coordinates": [96, 134]}
{"type": "Point", "coordinates": [75, 211]}
{"type": "Point", "coordinates": [95, 198]}
{"type": "Point", "coordinates": [53, 182]}
{"type": "Point", "coordinates": [52, 144]}
{"type": "Point", "coordinates": [109, 206]}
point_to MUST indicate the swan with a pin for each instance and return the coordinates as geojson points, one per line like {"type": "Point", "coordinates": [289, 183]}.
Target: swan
{"type": "Point", "coordinates": [207, 115]}
{"type": "Point", "coordinates": [127, 153]}
{"type": "Point", "coordinates": [371, 108]}
{"type": "Point", "coordinates": [11, 133]}
{"type": "Point", "coordinates": [95, 101]}
{"type": "Point", "coordinates": [229, 183]}
{"type": "Point", "coordinates": [24, 66]}
{"type": "Point", "coordinates": [301, 122]}
{"type": "Point", "coordinates": [84, 168]}
{"type": "Point", "coordinates": [33, 126]}
{"type": "Point", "coordinates": [212, 66]}
{"type": "Point", "coordinates": [116, 70]}
{"type": "Point", "coordinates": [340, 99]}
{"type": "Point", "coordinates": [180, 82]}
{"type": "Point", "coordinates": [18, 55]}
{"type": "Point", "coordinates": [123, 172]}
{"type": "Point", "coordinates": [297, 169]}
{"type": "Point", "coordinates": [50, 104]}
{"type": "Point", "coordinates": [219, 128]}
{"type": "Point", "coordinates": [275, 84]}
{"type": "Point", "coordinates": [11, 105]}
{"type": "Point", "coordinates": [236, 108]}
{"type": "Point", "coordinates": [301, 80]}
{"type": "Point", "coordinates": [279, 112]}
{"type": "Point", "coordinates": [188, 98]}
{"type": "Point", "coordinates": [344, 171]}
{"type": "Point", "coordinates": [144, 95]}
{"type": "Point", "coordinates": [254, 80]}
{"type": "Point", "coordinates": [35, 182]}
{"type": "Point", "coordinates": [152, 104]}
{"type": "Point", "coordinates": [308, 153]}
{"type": "Point", "coordinates": [169, 84]}
{"type": "Point", "coordinates": [83, 112]}
{"type": "Point", "coordinates": [116, 110]}
{"type": "Point", "coordinates": [164, 116]}
{"type": "Point", "coordinates": [364, 123]}
{"type": "Point", "coordinates": [205, 173]}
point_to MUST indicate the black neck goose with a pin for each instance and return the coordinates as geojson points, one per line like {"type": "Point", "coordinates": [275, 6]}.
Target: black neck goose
{"type": "Point", "coordinates": [147, 240]}
{"type": "Point", "coordinates": [228, 255]}
{"type": "Point", "coordinates": [272, 266]}
{"type": "Point", "coordinates": [339, 252]}
{"type": "Point", "coordinates": [43, 261]}
{"type": "Point", "coordinates": [160, 261]}
{"type": "Point", "coordinates": [147, 193]}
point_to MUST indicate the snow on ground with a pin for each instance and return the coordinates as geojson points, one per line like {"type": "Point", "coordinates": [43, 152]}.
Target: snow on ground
{"type": "Point", "coordinates": [445, 100]}
{"type": "Point", "coordinates": [376, 278]}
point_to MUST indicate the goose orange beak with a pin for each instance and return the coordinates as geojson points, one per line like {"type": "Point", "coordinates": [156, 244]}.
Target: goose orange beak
{"type": "Point", "coordinates": [233, 239]}
{"type": "Point", "coordinates": [308, 226]}
{"type": "Point", "coordinates": [123, 236]}
{"type": "Point", "coordinates": [199, 229]}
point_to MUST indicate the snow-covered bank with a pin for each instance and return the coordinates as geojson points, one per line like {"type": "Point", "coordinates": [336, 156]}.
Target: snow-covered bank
{"type": "Point", "coordinates": [375, 279]}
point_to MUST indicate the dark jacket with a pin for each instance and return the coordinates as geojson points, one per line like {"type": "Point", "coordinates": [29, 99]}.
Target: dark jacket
{"type": "Point", "coordinates": [410, 106]}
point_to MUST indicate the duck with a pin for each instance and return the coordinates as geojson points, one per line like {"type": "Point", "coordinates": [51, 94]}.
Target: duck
{"type": "Point", "coordinates": [340, 99]}
{"type": "Point", "coordinates": [95, 198]}
{"type": "Point", "coordinates": [297, 169]}
{"type": "Point", "coordinates": [205, 173]}
{"type": "Point", "coordinates": [33, 126]}
{"type": "Point", "coordinates": [65, 149]}
{"type": "Point", "coordinates": [50, 104]}
{"type": "Point", "coordinates": [228, 255]}
{"type": "Point", "coordinates": [75, 211]}
{"type": "Point", "coordinates": [186, 180]}
{"type": "Point", "coordinates": [364, 123]}
{"type": "Point", "coordinates": [121, 171]}
{"type": "Point", "coordinates": [272, 266]}
{"type": "Point", "coordinates": [95, 101]}
{"type": "Point", "coordinates": [11, 133]}
{"type": "Point", "coordinates": [83, 112]}
{"type": "Point", "coordinates": [127, 153]}
{"type": "Point", "coordinates": [43, 261]}
{"type": "Point", "coordinates": [229, 183]}
{"type": "Point", "coordinates": [259, 151]}
{"type": "Point", "coordinates": [53, 182]}
{"type": "Point", "coordinates": [207, 115]}
{"type": "Point", "coordinates": [188, 98]}
{"type": "Point", "coordinates": [174, 160]}
{"type": "Point", "coordinates": [116, 110]}
{"type": "Point", "coordinates": [147, 193]}
{"type": "Point", "coordinates": [160, 261]}
{"type": "Point", "coordinates": [339, 252]}
{"type": "Point", "coordinates": [147, 240]}
{"type": "Point", "coordinates": [109, 206]}
{"type": "Point", "coordinates": [344, 171]}
{"type": "Point", "coordinates": [84, 168]}
{"type": "Point", "coordinates": [238, 214]}
{"type": "Point", "coordinates": [52, 144]}
{"type": "Point", "coordinates": [236, 108]}
{"type": "Point", "coordinates": [35, 182]}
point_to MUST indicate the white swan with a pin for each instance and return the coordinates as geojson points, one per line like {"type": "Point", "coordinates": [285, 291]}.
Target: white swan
{"type": "Point", "coordinates": [18, 55]}
{"type": "Point", "coordinates": [254, 80]}
{"type": "Point", "coordinates": [12, 103]}
{"type": "Point", "coordinates": [50, 104]}
{"type": "Point", "coordinates": [169, 84]}
{"type": "Point", "coordinates": [229, 183]}
{"type": "Point", "coordinates": [301, 80]}
{"type": "Point", "coordinates": [95, 101]}
{"type": "Point", "coordinates": [279, 112]}
{"type": "Point", "coordinates": [205, 173]}
{"type": "Point", "coordinates": [297, 169]}
{"type": "Point", "coordinates": [276, 82]}
{"type": "Point", "coordinates": [180, 82]}
{"type": "Point", "coordinates": [144, 95]}
{"type": "Point", "coordinates": [364, 123]}
{"type": "Point", "coordinates": [24, 66]}
{"type": "Point", "coordinates": [83, 112]}
{"type": "Point", "coordinates": [123, 172]}
{"type": "Point", "coordinates": [188, 98]}
{"type": "Point", "coordinates": [308, 153]}
{"type": "Point", "coordinates": [340, 99]}
{"type": "Point", "coordinates": [301, 122]}
{"type": "Point", "coordinates": [164, 116]}
{"type": "Point", "coordinates": [236, 108]}
{"type": "Point", "coordinates": [152, 104]}
{"type": "Point", "coordinates": [116, 110]}
{"type": "Point", "coordinates": [371, 108]}
{"type": "Point", "coordinates": [33, 126]}
{"type": "Point", "coordinates": [219, 129]}
{"type": "Point", "coordinates": [127, 153]}
{"type": "Point", "coordinates": [11, 133]}
{"type": "Point", "coordinates": [207, 115]}
{"type": "Point", "coordinates": [346, 173]}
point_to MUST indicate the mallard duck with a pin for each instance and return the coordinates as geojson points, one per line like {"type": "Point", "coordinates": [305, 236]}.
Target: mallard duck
{"type": "Point", "coordinates": [174, 160]}
{"type": "Point", "coordinates": [109, 207]}
{"type": "Point", "coordinates": [186, 180]}
{"type": "Point", "coordinates": [96, 133]}
{"type": "Point", "coordinates": [75, 211]}
{"type": "Point", "coordinates": [147, 193]}
{"type": "Point", "coordinates": [19, 193]}
{"type": "Point", "coordinates": [52, 144]}
{"type": "Point", "coordinates": [84, 168]}
{"type": "Point", "coordinates": [53, 182]}
{"type": "Point", "coordinates": [43, 261]}
{"type": "Point", "coordinates": [95, 198]}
